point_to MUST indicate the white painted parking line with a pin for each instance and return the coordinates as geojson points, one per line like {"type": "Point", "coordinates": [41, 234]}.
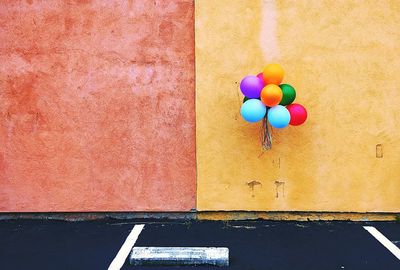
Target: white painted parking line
{"type": "Point", "coordinates": [384, 241]}
{"type": "Point", "coordinates": [123, 253]}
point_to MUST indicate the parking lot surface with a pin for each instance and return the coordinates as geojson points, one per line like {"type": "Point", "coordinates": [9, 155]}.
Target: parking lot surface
{"type": "Point", "coordinates": [258, 244]}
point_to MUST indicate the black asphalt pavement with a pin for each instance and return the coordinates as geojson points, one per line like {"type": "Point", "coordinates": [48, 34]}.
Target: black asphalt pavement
{"type": "Point", "coordinates": [50, 244]}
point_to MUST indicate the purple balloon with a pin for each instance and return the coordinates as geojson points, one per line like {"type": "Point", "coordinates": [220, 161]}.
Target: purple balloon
{"type": "Point", "coordinates": [251, 86]}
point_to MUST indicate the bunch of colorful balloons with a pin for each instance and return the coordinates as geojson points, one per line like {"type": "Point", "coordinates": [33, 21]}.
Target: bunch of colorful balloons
{"type": "Point", "coordinates": [266, 98]}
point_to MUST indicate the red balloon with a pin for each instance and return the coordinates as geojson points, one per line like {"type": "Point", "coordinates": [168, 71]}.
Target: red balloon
{"type": "Point", "coordinates": [298, 114]}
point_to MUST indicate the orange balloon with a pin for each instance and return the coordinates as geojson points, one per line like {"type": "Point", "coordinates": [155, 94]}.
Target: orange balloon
{"type": "Point", "coordinates": [271, 95]}
{"type": "Point", "coordinates": [273, 74]}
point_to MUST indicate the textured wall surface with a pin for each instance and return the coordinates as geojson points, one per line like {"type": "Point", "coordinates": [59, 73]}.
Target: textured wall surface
{"type": "Point", "coordinates": [97, 105]}
{"type": "Point", "coordinates": [342, 57]}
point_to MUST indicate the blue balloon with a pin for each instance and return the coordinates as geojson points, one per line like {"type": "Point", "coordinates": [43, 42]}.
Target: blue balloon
{"type": "Point", "coordinates": [253, 110]}
{"type": "Point", "coordinates": [278, 116]}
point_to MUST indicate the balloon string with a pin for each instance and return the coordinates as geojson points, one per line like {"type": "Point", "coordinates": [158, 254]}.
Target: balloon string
{"type": "Point", "coordinates": [266, 138]}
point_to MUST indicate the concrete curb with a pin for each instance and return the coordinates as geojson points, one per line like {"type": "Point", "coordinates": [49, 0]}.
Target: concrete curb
{"type": "Point", "coordinates": [207, 215]}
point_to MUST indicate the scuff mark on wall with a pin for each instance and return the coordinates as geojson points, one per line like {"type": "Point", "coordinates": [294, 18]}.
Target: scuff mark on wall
{"type": "Point", "coordinates": [280, 188]}
{"type": "Point", "coordinates": [277, 162]}
{"type": "Point", "coordinates": [252, 184]}
{"type": "Point", "coordinates": [379, 151]}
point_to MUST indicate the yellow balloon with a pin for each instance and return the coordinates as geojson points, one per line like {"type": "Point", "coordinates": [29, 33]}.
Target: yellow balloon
{"type": "Point", "coordinates": [273, 74]}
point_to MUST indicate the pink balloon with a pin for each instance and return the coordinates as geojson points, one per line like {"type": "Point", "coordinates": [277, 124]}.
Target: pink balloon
{"type": "Point", "coordinates": [261, 77]}
{"type": "Point", "coordinates": [298, 114]}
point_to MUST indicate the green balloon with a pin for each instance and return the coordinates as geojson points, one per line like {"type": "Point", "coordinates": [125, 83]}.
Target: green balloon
{"type": "Point", "coordinates": [289, 94]}
{"type": "Point", "coordinates": [246, 99]}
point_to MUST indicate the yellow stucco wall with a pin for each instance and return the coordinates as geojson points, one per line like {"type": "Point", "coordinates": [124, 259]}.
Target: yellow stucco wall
{"type": "Point", "coordinates": [342, 58]}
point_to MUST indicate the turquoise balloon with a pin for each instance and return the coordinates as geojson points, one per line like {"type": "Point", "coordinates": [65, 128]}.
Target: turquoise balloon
{"type": "Point", "coordinates": [253, 110]}
{"type": "Point", "coordinates": [278, 116]}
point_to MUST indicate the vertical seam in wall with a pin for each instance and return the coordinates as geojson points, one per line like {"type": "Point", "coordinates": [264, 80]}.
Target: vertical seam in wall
{"type": "Point", "coordinates": [195, 104]}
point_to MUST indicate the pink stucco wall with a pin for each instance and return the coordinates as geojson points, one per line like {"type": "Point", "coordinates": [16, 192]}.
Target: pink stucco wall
{"type": "Point", "coordinates": [97, 106]}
